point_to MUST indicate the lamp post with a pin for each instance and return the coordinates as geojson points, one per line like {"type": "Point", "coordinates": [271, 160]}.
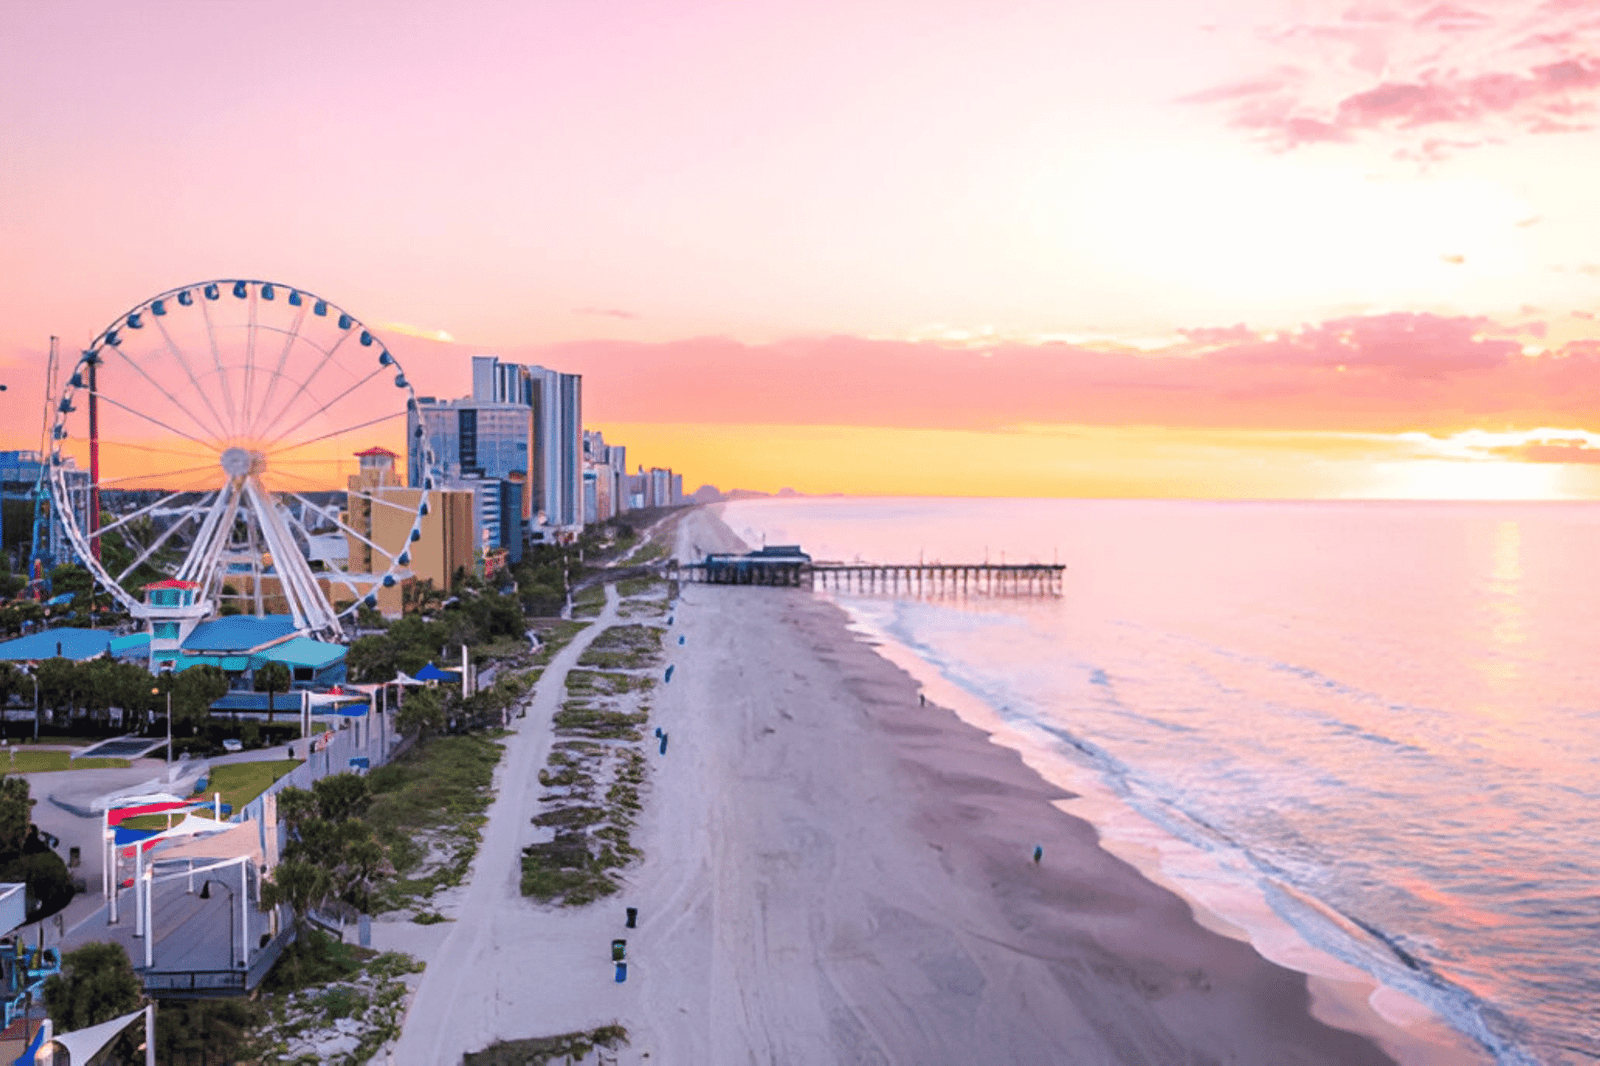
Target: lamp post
{"type": "Point", "coordinates": [167, 675]}
{"type": "Point", "coordinates": [34, 673]}
{"type": "Point", "coordinates": [205, 893]}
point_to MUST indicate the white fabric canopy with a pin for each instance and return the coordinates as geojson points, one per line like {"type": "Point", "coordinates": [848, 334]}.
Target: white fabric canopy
{"type": "Point", "coordinates": [238, 840]}
{"type": "Point", "coordinates": [194, 825]}
{"type": "Point", "coordinates": [84, 1044]}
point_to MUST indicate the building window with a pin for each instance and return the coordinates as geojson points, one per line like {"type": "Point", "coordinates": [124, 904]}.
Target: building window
{"type": "Point", "coordinates": [165, 631]}
{"type": "Point", "coordinates": [304, 673]}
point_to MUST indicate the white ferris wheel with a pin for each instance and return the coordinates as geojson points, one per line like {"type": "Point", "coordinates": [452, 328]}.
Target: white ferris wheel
{"type": "Point", "coordinates": [218, 422]}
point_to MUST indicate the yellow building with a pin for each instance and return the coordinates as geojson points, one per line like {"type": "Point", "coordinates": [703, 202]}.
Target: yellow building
{"type": "Point", "coordinates": [383, 511]}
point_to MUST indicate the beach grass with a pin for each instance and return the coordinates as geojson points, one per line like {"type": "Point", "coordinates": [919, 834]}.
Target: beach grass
{"type": "Point", "coordinates": [589, 602]}
{"type": "Point", "coordinates": [440, 790]}
{"type": "Point", "coordinates": [639, 586]}
{"type": "Point", "coordinates": [242, 782]}
{"type": "Point", "coordinates": [553, 638]}
{"type": "Point", "coordinates": [542, 1050]}
{"type": "Point", "coordinates": [592, 839]}
{"type": "Point", "coordinates": [27, 761]}
{"type": "Point", "coordinates": [629, 647]}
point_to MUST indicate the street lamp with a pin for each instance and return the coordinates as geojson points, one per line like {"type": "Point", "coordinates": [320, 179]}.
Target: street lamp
{"type": "Point", "coordinates": [34, 673]}
{"type": "Point", "coordinates": [205, 893]}
{"type": "Point", "coordinates": [156, 692]}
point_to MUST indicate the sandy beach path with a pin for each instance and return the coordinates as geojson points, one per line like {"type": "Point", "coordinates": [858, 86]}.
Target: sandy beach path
{"type": "Point", "coordinates": [472, 992]}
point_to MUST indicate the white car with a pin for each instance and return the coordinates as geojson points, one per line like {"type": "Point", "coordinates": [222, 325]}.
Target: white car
{"type": "Point", "coordinates": [232, 745]}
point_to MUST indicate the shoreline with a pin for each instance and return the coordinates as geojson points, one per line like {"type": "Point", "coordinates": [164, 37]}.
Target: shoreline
{"type": "Point", "coordinates": [1342, 993]}
{"type": "Point", "coordinates": [833, 873]}
{"type": "Point", "coordinates": [839, 874]}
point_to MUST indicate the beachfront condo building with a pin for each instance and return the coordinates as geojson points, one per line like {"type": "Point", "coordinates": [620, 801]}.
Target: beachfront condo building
{"type": "Point", "coordinates": [381, 510]}
{"type": "Point", "coordinates": [605, 475]}
{"type": "Point", "coordinates": [519, 421]}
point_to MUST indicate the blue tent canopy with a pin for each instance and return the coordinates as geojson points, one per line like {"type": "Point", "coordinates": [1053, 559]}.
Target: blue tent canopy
{"type": "Point", "coordinates": [132, 836]}
{"type": "Point", "coordinates": [431, 672]}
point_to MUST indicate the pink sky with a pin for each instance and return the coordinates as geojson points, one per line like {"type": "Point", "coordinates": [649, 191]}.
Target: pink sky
{"type": "Point", "coordinates": [974, 216]}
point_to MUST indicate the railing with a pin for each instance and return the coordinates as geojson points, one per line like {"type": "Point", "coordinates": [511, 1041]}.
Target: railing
{"type": "Point", "coordinates": [229, 982]}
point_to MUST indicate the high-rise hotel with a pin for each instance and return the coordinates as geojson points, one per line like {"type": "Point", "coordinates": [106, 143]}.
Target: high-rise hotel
{"type": "Point", "coordinates": [521, 428]}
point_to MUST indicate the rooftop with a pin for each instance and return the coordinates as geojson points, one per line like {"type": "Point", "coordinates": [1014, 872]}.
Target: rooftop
{"type": "Point", "coordinates": [240, 633]}
{"type": "Point", "coordinates": [65, 642]}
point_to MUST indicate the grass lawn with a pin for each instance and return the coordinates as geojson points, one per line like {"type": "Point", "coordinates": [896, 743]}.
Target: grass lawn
{"type": "Point", "coordinates": [242, 782]}
{"type": "Point", "coordinates": [24, 761]}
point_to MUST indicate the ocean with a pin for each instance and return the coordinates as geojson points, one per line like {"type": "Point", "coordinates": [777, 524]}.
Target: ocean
{"type": "Point", "coordinates": [1378, 718]}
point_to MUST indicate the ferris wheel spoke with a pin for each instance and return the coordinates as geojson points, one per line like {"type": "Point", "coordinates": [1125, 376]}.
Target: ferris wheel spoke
{"type": "Point", "coordinates": [341, 432]}
{"type": "Point", "coordinates": [333, 518]}
{"type": "Point", "coordinates": [156, 474]}
{"type": "Point", "coordinates": [275, 441]}
{"type": "Point", "coordinates": [141, 512]}
{"type": "Point", "coordinates": [327, 357]}
{"type": "Point", "coordinates": [379, 500]}
{"type": "Point", "coordinates": [159, 388]}
{"type": "Point", "coordinates": [249, 362]}
{"type": "Point", "coordinates": [283, 358]}
{"type": "Point", "coordinates": [157, 422]}
{"type": "Point", "coordinates": [222, 371]}
{"type": "Point", "coordinates": [176, 350]}
{"type": "Point", "coordinates": [119, 443]}
{"type": "Point", "coordinates": [155, 545]}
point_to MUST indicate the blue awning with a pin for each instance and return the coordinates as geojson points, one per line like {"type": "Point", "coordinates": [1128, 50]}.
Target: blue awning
{"type": "Point", "coordinates": [431, 672]}
{"type": "Point", "coordinates": [133, 836]}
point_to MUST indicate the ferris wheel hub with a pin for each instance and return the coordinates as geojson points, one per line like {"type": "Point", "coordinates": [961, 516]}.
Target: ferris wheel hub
{"type": "Point", "coordinates": [242, 462]}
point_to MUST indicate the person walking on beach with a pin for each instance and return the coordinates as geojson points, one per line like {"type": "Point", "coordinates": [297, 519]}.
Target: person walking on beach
{"type": "Point", "coordinates": [1038, 853]}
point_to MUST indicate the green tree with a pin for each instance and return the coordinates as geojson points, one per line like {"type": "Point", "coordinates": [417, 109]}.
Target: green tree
{"type": "Point", "coordinates": [17, 614]}
{"type": "Point", "coordinates": [299, 883]}
{"type": "Point", "coordinates": [194, 691]}
{"type": "Point", "coordinates": [205, 1030]}
{"type": "Point", "coordinates": [272, 677]}
{"type": "Point", "coordinates": [422, 711]}
{"type": "Point", "coordinates": [371, 659]}
{"type": "Point", "coordinates": [16, 813]}
{"type": "Point", "coordinates": [60, 685]}
{"type": "Point", "coordinates": [340, 797]}
{"type": "Point", "coordinates": [70, 577]}
{"type": "Point", "coordinates": [96, 984]}
{"type": "Point", "coordinates": [13, 682]}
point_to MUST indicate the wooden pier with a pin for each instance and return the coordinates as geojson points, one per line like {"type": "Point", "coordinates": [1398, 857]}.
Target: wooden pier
{"type": "Point", "coordinates": [895, 579]}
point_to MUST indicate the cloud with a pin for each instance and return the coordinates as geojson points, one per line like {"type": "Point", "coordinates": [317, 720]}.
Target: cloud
{"type": "Point", "coordinates": [1237, 333]}
{"type": "Point", "coordinates": [1390, 71]}
{"type": "Point", "coordinates": [1368, 373]}
{"type": "Point", "coordinates": [408, 330]}
{"type": "Point", "coordinates": [607, 312]}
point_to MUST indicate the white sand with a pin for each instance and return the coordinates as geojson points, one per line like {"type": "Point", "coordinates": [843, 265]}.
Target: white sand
{"type": "Point", "coordinates": [836, 875]}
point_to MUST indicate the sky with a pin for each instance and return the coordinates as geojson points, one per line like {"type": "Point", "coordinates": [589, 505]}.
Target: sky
{"type": "Point", "coordinates": [1262, 248]}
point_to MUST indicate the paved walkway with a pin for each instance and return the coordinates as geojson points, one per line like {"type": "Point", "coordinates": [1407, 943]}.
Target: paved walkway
{"type": "Point", "coordinates": [456, 1008]}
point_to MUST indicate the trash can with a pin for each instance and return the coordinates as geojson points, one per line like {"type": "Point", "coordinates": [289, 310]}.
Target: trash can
{"type": "Point", "coordinates": [633, 916]}
{"type": "Point", "coordinates": [619, 950]}
{"type": "Point", "coordinates": [622, 972]}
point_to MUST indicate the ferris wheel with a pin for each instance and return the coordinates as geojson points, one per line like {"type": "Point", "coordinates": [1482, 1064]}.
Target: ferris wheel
{"type": "Point", "coordinates": [214, 427]}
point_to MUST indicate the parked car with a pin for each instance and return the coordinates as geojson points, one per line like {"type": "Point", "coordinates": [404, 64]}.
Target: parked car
{"type": "Point", "coordinates": [232, 744]}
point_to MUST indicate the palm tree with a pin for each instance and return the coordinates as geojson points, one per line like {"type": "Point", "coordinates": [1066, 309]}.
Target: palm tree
{"type": "Point", "coordinates": [271, 678]}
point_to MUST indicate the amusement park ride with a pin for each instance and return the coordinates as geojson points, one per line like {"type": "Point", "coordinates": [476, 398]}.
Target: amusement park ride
{"type": "Point", "coordinates": [218, 415]}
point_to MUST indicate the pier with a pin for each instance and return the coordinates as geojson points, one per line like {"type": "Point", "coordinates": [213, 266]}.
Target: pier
{"type": "Point", "coordinates": [896, 579]}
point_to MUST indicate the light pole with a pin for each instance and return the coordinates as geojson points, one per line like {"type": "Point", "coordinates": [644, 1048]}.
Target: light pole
{"type": "Point", "coordinates": [205, 893]}
{"type": "Point", "coordinates": [34, 673]}
{"type": "Point", "coordinates": [167, 674]}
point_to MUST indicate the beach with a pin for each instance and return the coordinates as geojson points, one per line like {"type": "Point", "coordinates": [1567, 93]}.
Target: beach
{"type": "Point", "coordinates": [834, 872]}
